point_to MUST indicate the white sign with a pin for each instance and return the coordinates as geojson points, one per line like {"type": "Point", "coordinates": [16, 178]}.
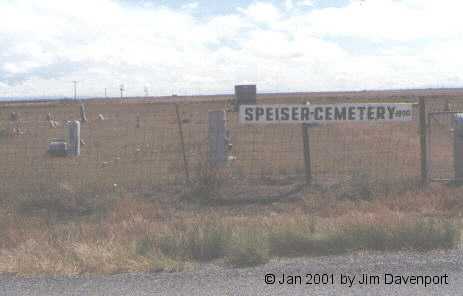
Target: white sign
{"type": "Point", "coordinates": [335, 113]}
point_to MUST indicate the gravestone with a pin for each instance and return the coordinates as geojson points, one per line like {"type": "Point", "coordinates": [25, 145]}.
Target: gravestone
{"type": "Point", "coordinates": [73, 138]}
{"type": "Point", "coordinates": [217, 138]}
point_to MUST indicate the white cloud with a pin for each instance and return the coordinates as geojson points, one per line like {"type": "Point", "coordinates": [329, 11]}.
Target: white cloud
{"type": "Point", "coordinates": [308, 3]}
{"type": "Point", "coordinates": [403, 20]}
{"type": "Point", "coordinates": [289, 4]}
{"type": "Point", "coordinates": [190, 6]}
{"type": "Point", "coordinates": [47, 43]}
{"type": "Point", "coordinates": [262, 12]}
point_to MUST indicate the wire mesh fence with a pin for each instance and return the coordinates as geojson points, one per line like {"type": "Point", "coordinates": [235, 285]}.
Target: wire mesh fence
{"type": "Point", "coordinates": [441, 137]}
{"type": "Point", "coordinates": [136, 147]}
{"type": "Point", "coordinates": [440, 147]}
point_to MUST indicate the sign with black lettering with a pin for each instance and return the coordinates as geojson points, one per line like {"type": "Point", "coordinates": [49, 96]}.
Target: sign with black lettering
{"type": "Point", "coordinates": [335, 113]}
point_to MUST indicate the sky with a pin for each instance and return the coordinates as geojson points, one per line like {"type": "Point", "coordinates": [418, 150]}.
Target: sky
{"type": "Point", "coordinates": [206, 47]}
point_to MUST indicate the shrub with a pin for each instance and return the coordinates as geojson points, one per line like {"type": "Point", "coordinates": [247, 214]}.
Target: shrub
{"type": "Point", "coordinates": [248, 248]}
{"type": "Point", "coordinates": [422, 235]}
{"type": "Point", "coordinates": [206, 186]}
{"type": "Point", "coordinates": [425, 235]}
{"type": "Point", "coordinates": [358, 187]}
{"type": "Point", "coordinates": [293, 239]}
{"type": "Point", "coordinates": [4, 133]}
{"type": "Point", "coordinates": [298, 244]}
{"type": "Point", "coordinates": [200, 241]}
{"type": "Point", "coordinates": [366, 237]}
{"type": "Point", "coordinates": [208, 241]}
{"type": "Point", "coordinates": [171, 246]}
{"type": "Point", "coordinates": [144, 246]}
{"type": "Point", "coordinates": [300, 239]}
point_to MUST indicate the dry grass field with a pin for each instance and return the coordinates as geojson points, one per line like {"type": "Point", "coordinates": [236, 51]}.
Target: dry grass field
{"type": "Point", "coordinates": [125, 204]}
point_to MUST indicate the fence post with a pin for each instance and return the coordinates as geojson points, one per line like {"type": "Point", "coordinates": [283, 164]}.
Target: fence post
{"type": "Point", "coordinates": [306, 147]}
{"type": "Point", "coordinates": [423, 141]}
{"type": "Point", "coordinates": [458, 147]}
{"type": "Point", "coordinates": [447, 105]}
{"type": "Point", "coordinates": [138, 121]}
{"type": "Point", "coordinates": [182, 142]}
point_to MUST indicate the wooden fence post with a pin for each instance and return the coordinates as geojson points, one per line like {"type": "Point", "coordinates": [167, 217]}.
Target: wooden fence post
{"type": "Point", "coordinates": [182, 142]}
{"type": "Point", "coordinates": [423, 141]}
{"type": "Point", "coordinates": [306, 147]}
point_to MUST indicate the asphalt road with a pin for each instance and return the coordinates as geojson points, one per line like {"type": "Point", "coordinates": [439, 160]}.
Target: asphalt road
{"type": "Point", "coordinates": [212, 279]}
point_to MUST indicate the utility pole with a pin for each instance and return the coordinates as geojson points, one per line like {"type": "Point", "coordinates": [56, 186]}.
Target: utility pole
{"type": "Point", "coordinates": [122, 88]}
{"type": "Point", "coordinates": [146, 91]}
{"type": "Point", "coordinates": [75, 89]}
{"type": "Point", "coordinates": [105, 93]}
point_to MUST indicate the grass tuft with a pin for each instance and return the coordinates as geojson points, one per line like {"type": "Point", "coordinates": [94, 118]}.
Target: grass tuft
{"type": "Point", "coordinates": [248, 248]}
{"type": "Point", "coordinates": [421, 235]}
{"type": "Point", "coordinates": [206, 185]}
{"type": "Point", "coordinates": [202, 241]}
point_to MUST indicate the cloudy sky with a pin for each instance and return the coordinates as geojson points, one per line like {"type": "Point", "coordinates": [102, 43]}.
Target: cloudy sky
{"type": "Point", "coordinates": [205, 47]}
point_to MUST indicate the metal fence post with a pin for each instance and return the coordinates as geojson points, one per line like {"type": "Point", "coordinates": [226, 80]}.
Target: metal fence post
{"type": "Point", "coordinates": [423, 141]}
{"type": "Point", "coordinates": [306, 149]}
{"type": "Point", "coordinates": [458, 147]}
{"type": "Point", "coordinates": [182, 142]}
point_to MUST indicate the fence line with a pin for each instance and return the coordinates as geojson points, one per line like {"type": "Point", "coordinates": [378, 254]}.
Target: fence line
{"type": "Point", "coordinates": [136, 147]}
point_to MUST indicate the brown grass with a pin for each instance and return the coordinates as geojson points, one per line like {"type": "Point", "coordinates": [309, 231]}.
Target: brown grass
{"type": "Point", "coordinates": [136, 234]}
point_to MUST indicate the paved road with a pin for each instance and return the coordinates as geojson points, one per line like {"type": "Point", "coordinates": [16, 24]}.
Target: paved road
{"type": "Point", "coordinates": [212, 279]}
